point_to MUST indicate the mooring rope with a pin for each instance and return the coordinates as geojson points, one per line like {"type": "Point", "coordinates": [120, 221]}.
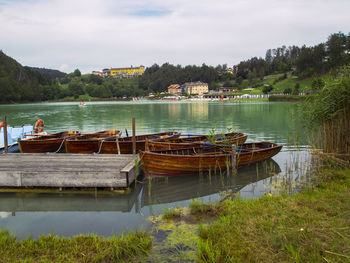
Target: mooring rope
{"type": "Point", "coordinates": [59, 148]}
{"type": "Point", "coordinates": [99, 150]}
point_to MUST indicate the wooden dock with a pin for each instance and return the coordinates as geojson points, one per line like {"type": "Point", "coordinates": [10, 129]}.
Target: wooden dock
{"type": "Point", "coordinates": [67, 170]}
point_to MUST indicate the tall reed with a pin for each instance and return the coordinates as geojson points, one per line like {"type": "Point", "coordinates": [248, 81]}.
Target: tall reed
{"type": "Point", "coordinates": [327, 115]}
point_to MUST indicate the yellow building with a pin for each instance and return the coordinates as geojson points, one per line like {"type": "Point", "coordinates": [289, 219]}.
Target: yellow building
{"type": "Point", "coordinates": [124, 72]}
{"type": "Point", "coordinates": [197, 88]}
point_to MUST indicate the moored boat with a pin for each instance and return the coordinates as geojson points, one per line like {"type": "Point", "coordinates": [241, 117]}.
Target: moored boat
{"type": "Point", "coordinates": [45, 143]}
{"type": "Point", "coordinates": [204, 158]}
{"type": "Point", "coordinates": [89, 143]}
{"type": "Point", "coordinates": [110, 145]}
{"type": "Point", "coordinates": [196, 140]}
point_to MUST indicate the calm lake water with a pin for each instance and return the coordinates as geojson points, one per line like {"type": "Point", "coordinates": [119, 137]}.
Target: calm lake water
{"type": "Point", "coordinates": [36, 214]}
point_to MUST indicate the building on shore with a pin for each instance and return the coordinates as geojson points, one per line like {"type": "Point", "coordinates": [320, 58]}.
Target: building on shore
{"type": "Point", "coordinates": [98, 73]}
{"type": "Point", "coordinates": [227, 89]}
{"type": "Point", "coordinates": [175, 89]}
{"type": "Point", "coordinates": [124, 72]}
{"type": "Point", "coordinates": [197, 88]}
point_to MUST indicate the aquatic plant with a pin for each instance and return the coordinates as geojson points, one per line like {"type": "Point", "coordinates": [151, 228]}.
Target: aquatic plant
{"type": "Point", "coordinates": [171, 213]}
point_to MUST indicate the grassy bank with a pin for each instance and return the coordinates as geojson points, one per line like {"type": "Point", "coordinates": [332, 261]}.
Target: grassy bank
{"type": "Point", "coordinates": [90, 248]}
{"type": "Point", "coordinates": [311, 226]}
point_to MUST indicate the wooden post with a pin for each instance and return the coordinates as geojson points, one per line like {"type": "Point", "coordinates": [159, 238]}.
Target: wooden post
{"type": "Point", "coordinates": [133, 136]}
{"type": "Point", "coordinates": [234, 158]}
{"type": "Point", "coordinates": [5, 136]}
{"type": "Point", "coordinates": [118, 148]}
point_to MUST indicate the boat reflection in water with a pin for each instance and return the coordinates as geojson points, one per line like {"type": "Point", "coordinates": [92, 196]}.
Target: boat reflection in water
{"type": "Point", "coordinates": [169, 189]}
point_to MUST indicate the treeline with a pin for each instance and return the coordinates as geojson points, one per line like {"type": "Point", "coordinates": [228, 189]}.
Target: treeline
{"type": "Point", "coordinates": [52, 73]}
{"type": "Point", "coordinates": [75, 84]}
{"type": "Point", "coordinates": [19, 83]}
{"type": "Point", "coordinates": [158, 78]}
{"type": "Point", "coordinates": [304, 61]}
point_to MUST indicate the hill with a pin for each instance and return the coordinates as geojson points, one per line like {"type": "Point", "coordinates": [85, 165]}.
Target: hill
{"type": "Point", "coordinates": [52, 73]}
{"type": "Point", "coordinates": [18, 83]}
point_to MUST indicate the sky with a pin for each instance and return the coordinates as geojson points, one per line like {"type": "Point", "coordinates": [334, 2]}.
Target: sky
{"type": "Point", "coordinates": [95, 34]}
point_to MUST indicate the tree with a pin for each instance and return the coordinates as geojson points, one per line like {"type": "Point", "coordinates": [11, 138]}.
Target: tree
{"type": "Point", "coordinates": [287, 91]}
{"type": "Point", "coordinates": [77, 73]}
{"type": "Point", "coordinates": [267, 89]}
{"type": "Point", "coordinates": [75, 88]}
{"type": "Point", "coordinates": [296, 89]}
{"type": "Point", "coordinates": [336, 46]}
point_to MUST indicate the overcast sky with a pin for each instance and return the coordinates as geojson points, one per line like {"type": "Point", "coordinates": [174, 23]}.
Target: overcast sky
{"type": "Point", "coordinates": [96, 34]}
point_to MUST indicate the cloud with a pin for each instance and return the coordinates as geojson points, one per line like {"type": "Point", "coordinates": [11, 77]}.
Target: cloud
{"type": "Point", "coordinates": [91, 35]}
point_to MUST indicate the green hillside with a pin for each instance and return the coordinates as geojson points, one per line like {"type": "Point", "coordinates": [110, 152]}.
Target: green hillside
{"type": "Point", "coordinates": [18, 83]}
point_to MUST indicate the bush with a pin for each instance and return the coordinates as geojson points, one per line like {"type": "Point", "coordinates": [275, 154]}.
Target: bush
{"type": "Point", "coordinates": [267, 89]}
{"type": "Point", "coordinates": [287, 91]}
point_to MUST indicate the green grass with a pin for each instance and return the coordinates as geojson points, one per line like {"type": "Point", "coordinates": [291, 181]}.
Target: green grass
{"type": "Point", "coordinates": [270, 79]}
{"type": "Point", "coordinates": [305, 84]}
{"type": "Point", "coordinates": [89, 248]}
{"type": "Point", "coordinates": [312, 226]}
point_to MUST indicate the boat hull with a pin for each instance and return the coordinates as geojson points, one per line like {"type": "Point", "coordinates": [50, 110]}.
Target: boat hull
{"type": "Point", "coordinates": [86, 144]}
{"type": "Point", "coordinates": [13, 148]}
{"type": "Point", "coordinates": [197, 160]}
{"type": "Point", "coordinates": [195, 141]}
{"type": "Point", "coordinates": [47, 143]}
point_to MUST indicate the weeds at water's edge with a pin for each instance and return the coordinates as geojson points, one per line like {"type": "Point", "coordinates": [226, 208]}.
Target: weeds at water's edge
{"type": "Point", "coordinates": [171, 213]}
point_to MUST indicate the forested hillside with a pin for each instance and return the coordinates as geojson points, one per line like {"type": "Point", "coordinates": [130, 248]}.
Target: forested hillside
{"type": "Point", "coordinates": [18, 83]}
{"type": "Point", "coordinates": [52, 73]}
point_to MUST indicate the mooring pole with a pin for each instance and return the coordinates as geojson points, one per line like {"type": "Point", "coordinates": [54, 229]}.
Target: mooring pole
{"type": "Point", "coordinates": [118, 148]}
{"type": "Point", "coordinates": [133, 136]}
{"type": "Point", "coordinates": [5, 136]}
{"type": "Point", "coordinates": [234, 159]}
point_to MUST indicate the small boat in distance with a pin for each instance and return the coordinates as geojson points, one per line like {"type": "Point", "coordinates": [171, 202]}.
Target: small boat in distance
{"type": "Point", "coordinates": [204, 158]}
{"type": "Point", "coordinates": [196, 140]}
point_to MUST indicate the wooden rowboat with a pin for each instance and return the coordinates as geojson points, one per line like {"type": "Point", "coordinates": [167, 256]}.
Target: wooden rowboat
{"type": "Point", "coordinates": [89, 143]}
{"type": "Point", "coordinates": [196, 140]}
{"type": "Point", "coordinates": [55, 142]}
{"type": "Point", "coordinates": [109, 145]}
{"type": "Point", "coordinates": [45, 143]}
{"type": "Point", "coordinates": [204, 159]}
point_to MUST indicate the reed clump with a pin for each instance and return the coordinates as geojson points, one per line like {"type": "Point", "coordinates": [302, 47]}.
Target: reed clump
{"type": "Point", "coordinates": [326, 112]}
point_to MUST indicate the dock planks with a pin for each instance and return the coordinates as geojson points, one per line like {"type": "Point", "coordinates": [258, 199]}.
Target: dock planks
{"type": "Point", "coordinates": [67, 170]}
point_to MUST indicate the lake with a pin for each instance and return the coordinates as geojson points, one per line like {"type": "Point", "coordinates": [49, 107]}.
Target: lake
{"type": "Point", "coordinates": [104, 213]}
